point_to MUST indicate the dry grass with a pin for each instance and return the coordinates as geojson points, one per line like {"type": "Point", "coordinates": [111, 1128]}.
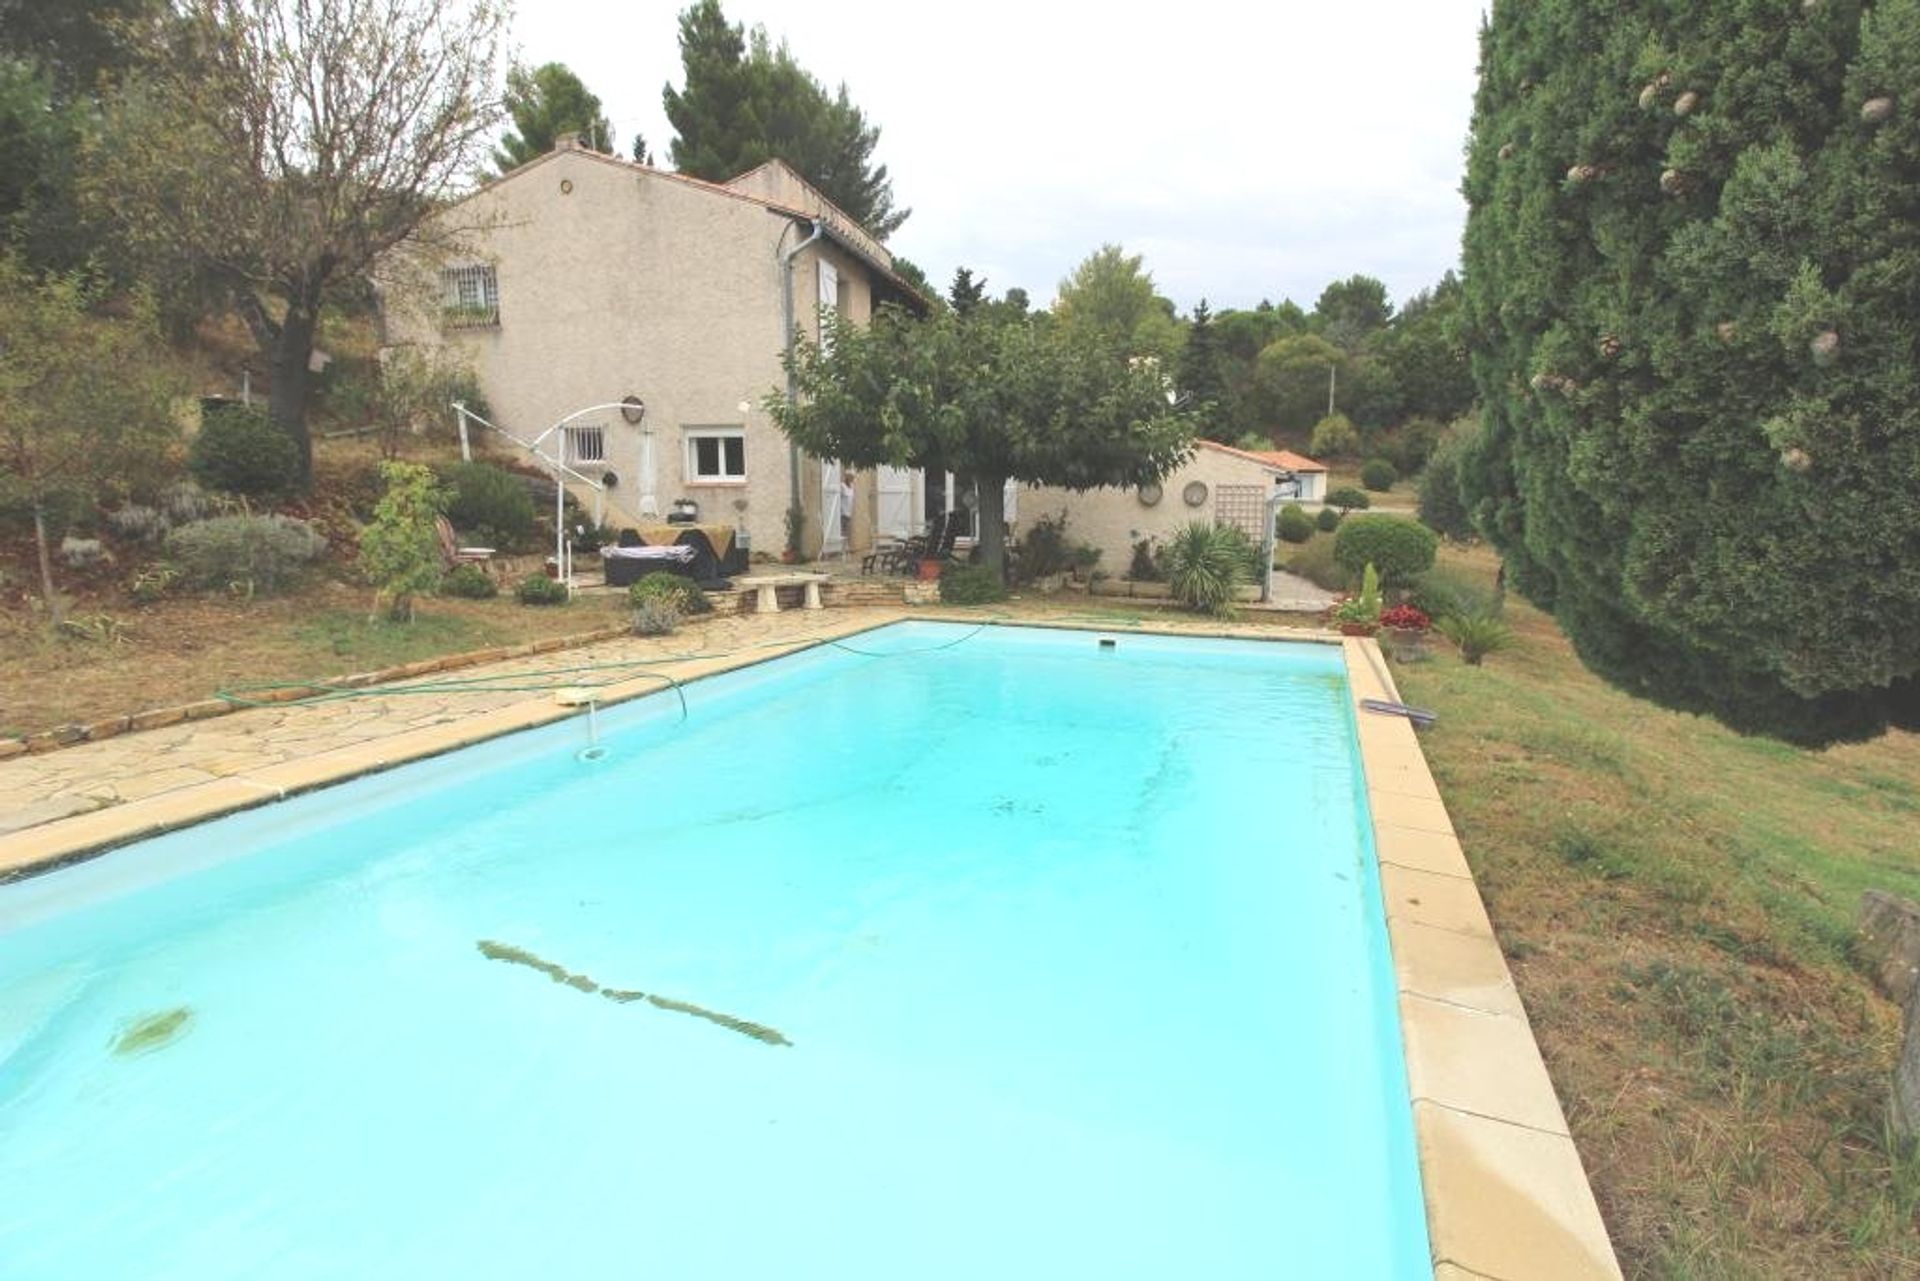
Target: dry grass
{"type": "Point", "coordinates": [1676, 901]}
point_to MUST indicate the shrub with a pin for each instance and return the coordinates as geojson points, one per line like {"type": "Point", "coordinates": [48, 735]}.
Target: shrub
{"type": "Point", "coordinates": [245, 554]}
{"type": "Point", "coordinates": [1149, 562]}
{"type": "Point", "coordinates": [1411, 446]}
{"type": "Point", "coordinates": [971, 585]}
{"type": "Point", "coordinates": [400, 551]}
{"type": "Point", "coordinates": [1294, 525]}
{"type": "Point", "coordinates": [1206, 565]}
{"type": "Point", "coordinates": [1044, 550]}
{"type": "Point", "coordinates": [1334, 436]}
{"type": "Point", "coordinates": [1440, 592]}
{"type": "Point", "coordinates": [1477, 635]}
{"type": "Point", "coordinates": [490, 504]}
{"type": "Point", "coordinates": [1379, 475]}
{"type": "Point", "coordinates": [654, 616]}
{"type": "Point", "coordinates": [1443, 508]}
{"type": "Point", "coordinates": [138, 523]}
{"type": "Point", "coordinates": [469, 582]}
{"type": "Point", "coordinates": [1400, 549]}
{"type": "Point", "coordinates": [682, 593]}
{"type": "Point", "coordinates": [241, 450]}
{"type": "Point", "coordinates": [1349, 499]}
{"type": "Point", "coordinates": [1327, 520]}
{"type": "Point", "coordinates": [1313, 561]}
{"type": "Point", "coordinates": [538, 589]}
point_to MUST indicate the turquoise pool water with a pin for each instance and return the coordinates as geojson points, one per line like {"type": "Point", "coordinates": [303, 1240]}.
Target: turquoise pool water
{"type": "Point", "coordinates": [979, 954]}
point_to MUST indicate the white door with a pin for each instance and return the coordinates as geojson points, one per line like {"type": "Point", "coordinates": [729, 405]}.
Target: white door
{"type": "Point", "coordinates": [894, 517]}
{"type": "Point", "coordinates": [829, 294]}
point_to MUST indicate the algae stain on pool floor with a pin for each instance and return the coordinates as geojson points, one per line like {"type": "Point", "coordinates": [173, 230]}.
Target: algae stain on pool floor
{"type": "Point", "coordinates": [151, 1032]}
{"type": "Point", "coordinates": [560, 974]}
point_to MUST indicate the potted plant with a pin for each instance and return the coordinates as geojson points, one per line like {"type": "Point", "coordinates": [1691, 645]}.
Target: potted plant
{"type": "Point", "coordinates": [1405, 629]}
{"type": "Point", "coordinates": [796, 530]}
{"type": "Point", "coordinates": [930, 567]}
{"type": "Point", "coordinates": [1359, 615]}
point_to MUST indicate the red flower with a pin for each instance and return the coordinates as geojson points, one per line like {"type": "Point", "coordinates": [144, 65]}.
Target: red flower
{"type": "Point", "coordinates": [1405, 617]}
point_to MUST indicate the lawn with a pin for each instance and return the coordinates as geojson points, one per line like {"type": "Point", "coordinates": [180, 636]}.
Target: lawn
{"type": "Point", "coordinates": [1677, 902]}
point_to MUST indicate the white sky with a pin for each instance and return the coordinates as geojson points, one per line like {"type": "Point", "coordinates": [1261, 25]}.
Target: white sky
{"type": "Point", "coordinates": [1248, 150]}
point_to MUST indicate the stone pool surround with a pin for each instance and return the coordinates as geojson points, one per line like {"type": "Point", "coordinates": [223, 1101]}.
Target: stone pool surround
{"type": "Point", "coordinates": [1506, 1195]}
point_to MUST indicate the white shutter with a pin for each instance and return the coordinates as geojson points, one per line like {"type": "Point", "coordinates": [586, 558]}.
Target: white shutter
{"type": "Point", "coordinates": [830, 540]}
{"type": "Point", "coordinates": [894, 518]}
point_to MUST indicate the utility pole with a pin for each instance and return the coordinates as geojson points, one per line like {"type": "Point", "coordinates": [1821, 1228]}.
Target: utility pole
{"type": "Point", "coordinates": [1333, 378]}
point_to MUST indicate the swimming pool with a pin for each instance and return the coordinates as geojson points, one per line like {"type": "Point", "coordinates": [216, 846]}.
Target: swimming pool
{"type": "Point", "coordinates": [947, 952]}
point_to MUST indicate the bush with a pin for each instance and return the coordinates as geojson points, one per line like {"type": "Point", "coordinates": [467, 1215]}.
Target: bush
{"type": "Point", "coordinates": [245, 554]}
{"type": "Point", "coordinates": [400, 551]}
{"type": "Point", "coordinates": [1294, 525]}
{"type": "Point", "coordinates": [1149, 563]}
{"type": "Point", "coordinates": [469, 582]}
{"type": "Point", "coordinates": [1443, 507]}
{"type": "Point", "coordinates": [971, 585]}
{"type": "Point", "coordinates": [1314, 562]}
{"type": "Point", "coordinates": [138, 523]}
{"type": "Point", "coordinates": [1206, 565]}
{"type": "Point", "coordinates": [1334, 436]}
{"type": "Point", "coordinates": [1327, 520]}
{"type": "Point", "coordinates": [682, 593]}
{"type": "Point", "coordinates": [1044, 550]}
{"type": "Point", "coordinates": [1477, 635]}
{"type": "Point", "coordinates": [538, 589]}
{"type": "Point", "coordinates": [1400, 549]}
{"type": "Point", "coordinates": [1440, 592]}
{"type": "Point", "coordinates": [490, 504]}
{"type": "Point", "coordinates": [1409, 448]}
{"type": "Point", "coordinates": [1349, 499]}
{"type": "Point", "coordinates": [1379, 475]}
{"type": "Point", "coordinates": [654, 616]}
{"type": "Point", "coordinates": [240, 450]}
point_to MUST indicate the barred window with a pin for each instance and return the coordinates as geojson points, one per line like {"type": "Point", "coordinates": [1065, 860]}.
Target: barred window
{"type": "Point", "coordinates": [470, 296]}
{"type": "Point", "coordinates": [586, 443]}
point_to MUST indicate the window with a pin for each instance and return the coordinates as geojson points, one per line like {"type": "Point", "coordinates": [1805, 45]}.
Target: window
{"type": "Point", "coordinates": [716, 455]}
{"type": "Point", "coordinates": [469, 297]}
{"type": "Point", "coordinates": [586, 443]}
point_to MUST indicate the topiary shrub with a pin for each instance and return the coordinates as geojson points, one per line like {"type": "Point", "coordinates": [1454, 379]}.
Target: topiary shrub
{"type": "Point", "coordinates": [1207, 565]}
{"type": "Point", "coordinates": [1294, 525]}
{"type": "Point", "coordinates": [682, 593]}
{"type": "Point", "coordinates": [469, 582]}
{"type": "Point", "coordinates": [1400, 549]}
{"type": "Point", "coordinates": [1327, 520]}
{"type": "Point", "coordinates": [491, 504]}
{"type": "Point", "coordinates": [538, 589]}
{"type": "Point", "coordinates": [1379, 475]}
{"type": "Point", "coordinates": [655, 616]}
{"type": "Point", "coordinates": [248, 555]}
{"type": "Point", "coordinates": [240, 450]}
{"type": "Point", "coordinates": [971, 585]}
{"type": "Point", "coordinates": [1349, 499]}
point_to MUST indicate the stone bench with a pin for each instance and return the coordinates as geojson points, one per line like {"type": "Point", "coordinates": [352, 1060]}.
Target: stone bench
{"type": "Point", "coordinates": [764, 586]}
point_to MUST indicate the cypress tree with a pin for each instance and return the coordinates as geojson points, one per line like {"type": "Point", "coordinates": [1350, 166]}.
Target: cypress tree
{"type": "Point", "coordinates": [1200, 377]}
{"type": "Point", "coordinates": [1692, 255]}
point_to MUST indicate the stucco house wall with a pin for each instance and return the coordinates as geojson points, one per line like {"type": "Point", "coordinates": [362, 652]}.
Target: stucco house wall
{"type": "Point", "coordinates": [1115, 519]}
{"type": "Point", "coordinates": [615, 280]}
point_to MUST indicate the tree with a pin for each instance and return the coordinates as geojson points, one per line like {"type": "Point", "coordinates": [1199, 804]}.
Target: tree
{"type": "Point", "coordinates": [400, 551]}
{"type": "Point", "coordinates": [1424, 349]}
{"type": "Point", "coordinates": [1290, 381]}
{"type": "Point", "coordinates": [76, 42]}
{"type": "Point", "coordinates": [281, 149]}
{"type": "Point", "coordinates": [1689, 275]}
{"type": "Point", "coordinates": [989, 397]}
{"type": "Point", "coordinates": [748, 101]}
{"type": "Point", "coordinates": [966, 293]}
{"type": "Point", "coordinates": [1351, 311]}
{"type": "Point", "coordinates": [1200, 379]}
{"type": "Point", "coordinates": [543, 104]}
{"type": "Point", "coordinates": [84, 390]}
{"type": "Point", "coordinates": [1110, 298]}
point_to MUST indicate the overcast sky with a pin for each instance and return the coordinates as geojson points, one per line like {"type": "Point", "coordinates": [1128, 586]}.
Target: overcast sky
{"type": "Point", "coordinates": [1248, 150]}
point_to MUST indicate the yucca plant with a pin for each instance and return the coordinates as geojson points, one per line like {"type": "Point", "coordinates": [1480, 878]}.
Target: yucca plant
{"type": "Point", "coordinates": [1477, 635]}
{"type": "Point", "coordinates": [1206, 566]}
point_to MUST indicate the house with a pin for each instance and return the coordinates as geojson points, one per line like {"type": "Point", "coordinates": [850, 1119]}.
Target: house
{"type": "Point", "coordinates": [581, 279]}
{"type": "Point", "coordinates": [1219, 484]}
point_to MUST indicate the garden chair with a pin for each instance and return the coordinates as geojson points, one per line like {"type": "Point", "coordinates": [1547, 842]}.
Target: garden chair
{"type": "Point", "coordinates": [455, 554]}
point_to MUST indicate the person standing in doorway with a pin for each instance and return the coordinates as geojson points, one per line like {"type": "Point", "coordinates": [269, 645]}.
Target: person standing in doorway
{"type": "Point", "coordinates": [846, 509]}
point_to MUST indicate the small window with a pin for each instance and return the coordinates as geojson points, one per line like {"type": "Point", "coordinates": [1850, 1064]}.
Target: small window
{"type": "Point", "coordinates": [586, 443]}
{"type": "Point", "coordinates": [716, 455]}
{"type": "Point", "coordinates": [470, 297]}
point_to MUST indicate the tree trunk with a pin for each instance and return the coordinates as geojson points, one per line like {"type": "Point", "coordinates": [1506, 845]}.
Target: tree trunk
{"type": "Point", "coordinates": [992, 517]}
{"type": "Point", "coordinates": [56, 611]}
{"type": "Point", "coordinates": [288, 358]}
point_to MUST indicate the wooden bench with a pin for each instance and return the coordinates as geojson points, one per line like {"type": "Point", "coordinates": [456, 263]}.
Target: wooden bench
{"type": "Point", "coordinates": [765, 585]}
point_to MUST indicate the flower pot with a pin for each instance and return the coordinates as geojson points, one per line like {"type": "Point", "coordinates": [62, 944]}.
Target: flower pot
{"type": "Point", "coordinates": [930, 571]}
{"type": "Point", "coordinates": [1405, 644]}
{"type": "Point", "coordinates": [1358, 629]}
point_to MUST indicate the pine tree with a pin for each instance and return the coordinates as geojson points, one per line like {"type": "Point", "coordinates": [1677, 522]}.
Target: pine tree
{"type": "Point", "coordinates": [543, 104]}
{"type": "Point", "coordinates": [1691, 255]}
{"type": "Point", "coordinates": [1200, 378]}
{"type": "Point", "coordinates": [966, 293]}
{"type": "Point", "coordinates": [748, 101]}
